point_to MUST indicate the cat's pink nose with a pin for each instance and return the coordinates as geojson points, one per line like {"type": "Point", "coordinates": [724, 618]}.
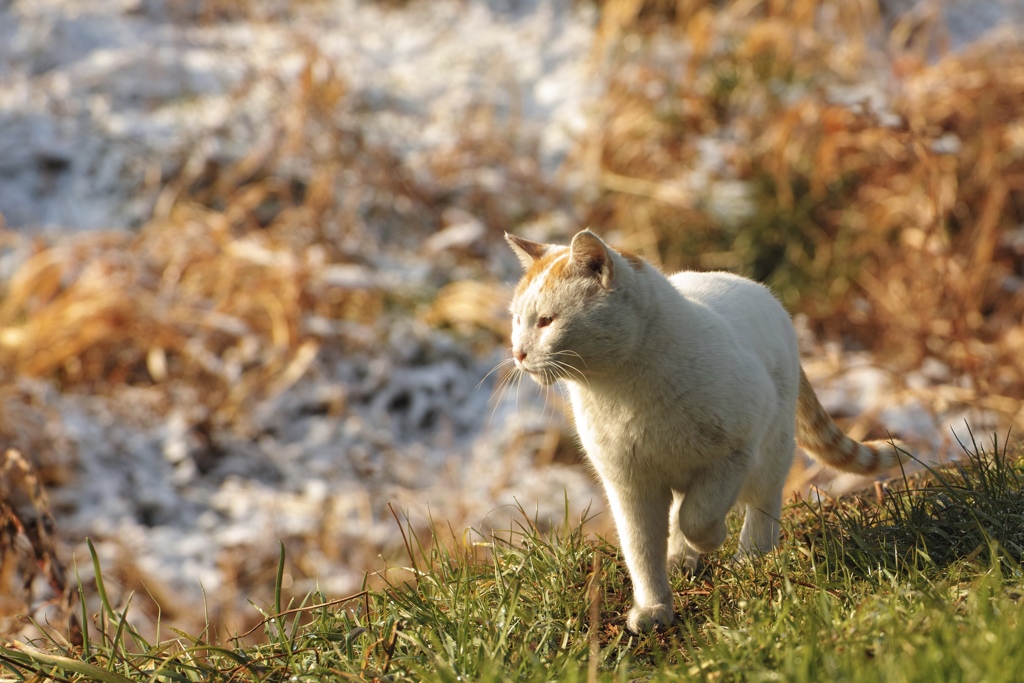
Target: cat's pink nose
{"type": "Point", "coordinates": [519, 355]}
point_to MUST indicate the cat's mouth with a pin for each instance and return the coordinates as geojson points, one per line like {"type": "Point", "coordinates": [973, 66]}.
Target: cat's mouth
{"type": "Point", "coordinates": [541, 376]}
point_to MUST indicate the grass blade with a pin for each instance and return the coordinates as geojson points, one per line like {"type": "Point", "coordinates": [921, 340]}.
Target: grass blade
{"type": "Point", "coordinates": [90, 671]}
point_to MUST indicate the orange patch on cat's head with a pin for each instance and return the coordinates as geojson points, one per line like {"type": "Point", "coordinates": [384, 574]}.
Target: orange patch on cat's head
{"type": "Point", "coordinates": [551, 268]}
{"type": "Point", "coordinates": [556, 266]}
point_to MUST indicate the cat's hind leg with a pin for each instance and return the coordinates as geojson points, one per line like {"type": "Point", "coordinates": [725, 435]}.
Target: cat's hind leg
{"type": "Point", "coordinates": [760, 533]}
{"type": "Point", "coordinates": [680, 553]}
{"type": "Point", "coordinates": [762, 496]}
{"type": "Point", "coordinates": [709, 497]}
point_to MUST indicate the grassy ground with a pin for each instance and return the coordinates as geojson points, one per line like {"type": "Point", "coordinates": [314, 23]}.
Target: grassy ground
{"type": "Point", "coordinates": [920, 583]}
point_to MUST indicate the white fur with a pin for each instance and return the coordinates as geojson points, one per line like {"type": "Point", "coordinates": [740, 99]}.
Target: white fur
{"type": "Point", "coordinates": [683, 389]}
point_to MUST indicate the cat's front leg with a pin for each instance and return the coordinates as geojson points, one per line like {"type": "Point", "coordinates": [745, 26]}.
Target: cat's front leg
{"type": "Point", "coordinates": [641, 518]}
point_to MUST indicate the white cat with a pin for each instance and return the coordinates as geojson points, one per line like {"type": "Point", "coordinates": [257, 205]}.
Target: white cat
{"type": "Point", "coordinates": [686, 392]}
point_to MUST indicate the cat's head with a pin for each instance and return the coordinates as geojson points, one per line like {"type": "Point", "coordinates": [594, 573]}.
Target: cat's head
{"type": "Point", "coordinates": [574, 310]}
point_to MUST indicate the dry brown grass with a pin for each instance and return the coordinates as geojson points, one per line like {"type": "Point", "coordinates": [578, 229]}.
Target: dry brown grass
{"type": "Point", "coordinates": [227, 286]}
{"type": "Point", "coordinates": [249, 269]}
{"type": "Point", "coordinates": [897, 226]}
{"type": "Point", "coordinates": [33, 579]}
{"type": "Point", "coordinates": [214, 291]}
{"type": "Point", "coordinates": [184, 299]}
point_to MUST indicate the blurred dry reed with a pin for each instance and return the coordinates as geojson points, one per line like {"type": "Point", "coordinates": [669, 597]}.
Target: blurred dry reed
{"type": "Point", "coordinates": [33, 580]}
{"type": "Point", "coordinates": [250, 270]}
{"type": "Point", "coordinates": [837, 154]}
{"type": "Point", "coordinates": [245, 264]}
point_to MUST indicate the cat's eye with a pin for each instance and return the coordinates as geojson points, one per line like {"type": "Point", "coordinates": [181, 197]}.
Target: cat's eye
{"type": "Point", "coordinates": [545, 320]}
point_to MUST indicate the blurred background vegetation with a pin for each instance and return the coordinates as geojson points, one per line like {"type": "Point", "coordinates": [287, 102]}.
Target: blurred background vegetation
{"type": "Point", "coordinates": [841, 155]}
{"type": "Point", "coordinates": [838, 151]}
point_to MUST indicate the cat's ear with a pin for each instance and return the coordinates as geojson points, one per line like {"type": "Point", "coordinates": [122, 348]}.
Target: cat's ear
{"type": "Point", "coordinates": [528, 252]}
{"type": "Point", "coordinates": [592, 257]}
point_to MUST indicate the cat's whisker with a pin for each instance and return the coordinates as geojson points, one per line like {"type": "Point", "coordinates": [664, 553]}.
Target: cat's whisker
{"type": "Point", "coordinates": [514, 378]}
{"type": "Point", "coordinates": [547, 382]}
{"type": "Point", "coordinates": [572, 372]}
{"type": "Point", "coordinates": [575, 353]}
{"type": "Point", "coordinates": [550, 377]}
{"type": "Point", "coordinates": [500, 365]}
{"type": "Point", "coordinates": [501, 390]}
{"type": "Point", "coordinates": [519, 385]}
{"type": "Point", "coordinates": [548, 395]}
{"type": "Point", "coordinates": [503, 384]}
{"type": "Point", "coordinates": [561, 366]}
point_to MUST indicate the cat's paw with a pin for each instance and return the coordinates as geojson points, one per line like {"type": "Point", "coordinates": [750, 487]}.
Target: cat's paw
{"type": "Point", "coordinates": [647, 619]}
{"type": "Point", "coordinates": [689, 563]}
{"type": "Point", "coordinates": [747, 555]}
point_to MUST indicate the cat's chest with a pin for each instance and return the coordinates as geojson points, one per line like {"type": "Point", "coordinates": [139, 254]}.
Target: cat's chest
{"type": "Point", "coordinates": [619, 430]}
{"type": "Point", "coordinates": [609, 424]}
{"type": "Point", "coordinates": [614, 426]}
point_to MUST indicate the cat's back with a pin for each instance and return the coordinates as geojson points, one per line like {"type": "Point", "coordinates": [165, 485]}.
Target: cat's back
{"type": "Point", "coordinates": [755, 316]}
{"type": "Point", "coordinates": [727, 292]}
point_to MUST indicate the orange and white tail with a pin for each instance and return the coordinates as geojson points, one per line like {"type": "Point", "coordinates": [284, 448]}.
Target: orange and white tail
{"type": "Point", "coordinates": [819, 435]}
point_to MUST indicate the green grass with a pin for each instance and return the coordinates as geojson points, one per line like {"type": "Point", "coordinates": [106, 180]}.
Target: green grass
{"type": "Point", "coordinates": [924, 586]}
